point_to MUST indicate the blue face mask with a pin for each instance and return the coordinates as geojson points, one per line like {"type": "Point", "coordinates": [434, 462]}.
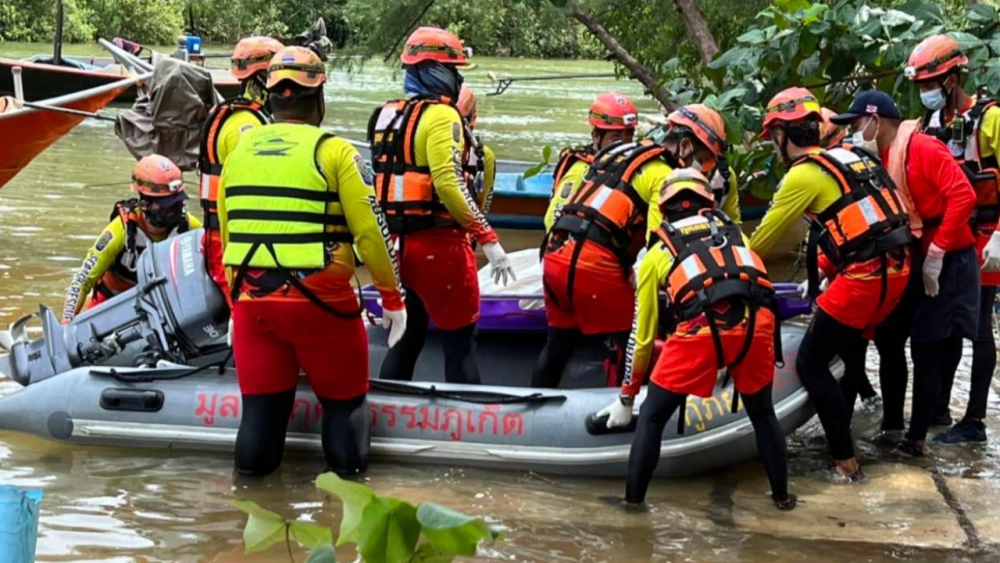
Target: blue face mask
{"type": "Point", "coordinates": [933, 99]}
{"type": "Point", "coordinates": [432, 79]}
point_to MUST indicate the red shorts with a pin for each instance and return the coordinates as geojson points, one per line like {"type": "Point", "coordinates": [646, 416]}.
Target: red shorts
{"type": "Point", "coordinates": [441, 269]}
{"type": "Point", "coordinates": [212, 248]}
{"type": "Point", "coordinates": [855, 302]}
{"type": "Point", "coordinates": [989, 279]}
{"type": "Point", "coordinates": [688, 364]}
{"type": "Point", "coordinates": [274, 340]}
{"type": "Point", "coordinates": [603, 298]}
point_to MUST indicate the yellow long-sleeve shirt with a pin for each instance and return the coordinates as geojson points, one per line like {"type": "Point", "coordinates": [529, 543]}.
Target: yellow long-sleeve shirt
{"type": "Point", "coordinates": [568, 184]}
{"type": "Point", "coordinates": [237, 124]}
{"type": "Point", "coordinates": [439, 144]}
{"type": "Point", "coordinates": [347, 173]}
{"type": "Point", "coordinates": [485, 199]}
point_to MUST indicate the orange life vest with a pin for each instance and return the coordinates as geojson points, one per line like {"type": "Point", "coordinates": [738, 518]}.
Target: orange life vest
{"type": "Point", "coordinates": [868, 221]}
{"type": "Point", "coordinates": [567, 158]}
{"type": "Point", "coordinates": [962, 138]}
{"type": "Point", "coordinates": [208, 158]}
{"type": "Point", "coordinates": [405, 190]}
{"type": "Point", "coordinates": [712, 267]}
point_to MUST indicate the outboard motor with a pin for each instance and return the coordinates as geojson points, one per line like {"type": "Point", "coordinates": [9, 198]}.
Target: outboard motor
{"type": "Point", "coordinates": [175, 313]}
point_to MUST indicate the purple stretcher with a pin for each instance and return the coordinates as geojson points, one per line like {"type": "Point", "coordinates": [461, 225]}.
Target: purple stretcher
{"type": "Point", "coordinates": [504, 313]}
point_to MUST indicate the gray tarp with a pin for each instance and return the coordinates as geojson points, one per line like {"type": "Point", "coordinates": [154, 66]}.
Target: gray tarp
{"type": "Point", "coordinates": [169, 119]}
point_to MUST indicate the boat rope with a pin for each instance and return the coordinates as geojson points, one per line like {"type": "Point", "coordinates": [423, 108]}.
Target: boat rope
{"type": "Point", "coordinates": [148, 376]}
{"type": "Point", "coordinates": [474, 397]}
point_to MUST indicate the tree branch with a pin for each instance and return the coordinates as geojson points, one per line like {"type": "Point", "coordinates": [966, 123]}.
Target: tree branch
{"type": "Point", "coordinates": [697, 29]}
{"type": "Point", "coordinates": [638, 71]}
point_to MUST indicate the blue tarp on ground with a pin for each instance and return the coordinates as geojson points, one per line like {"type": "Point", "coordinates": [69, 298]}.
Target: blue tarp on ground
{"type": "Point", "coordinates": [19, 510]}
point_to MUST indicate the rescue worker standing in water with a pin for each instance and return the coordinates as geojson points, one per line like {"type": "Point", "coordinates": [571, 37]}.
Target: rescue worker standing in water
{"type": "Point", "coordinates": [157, 214]}
{"type": "Point", "coordinates": [971, 129]}
{"type": "Point", "coordinates": [417, 146]}
{"type": "Point", "coordinates": [863, 230]}
{"type": "Point", "coordinates": [613, 118]}
{"type": "Point", "coordinates": [588, 254]}
{"type": "Point", "coordinates": [223, 127]}
{"type": "Point", "coordinates": [292, 201]}
{"type": "Point", "coordinates": [722, 318]}
{"type": "Point", "coordinates": [480, 162]}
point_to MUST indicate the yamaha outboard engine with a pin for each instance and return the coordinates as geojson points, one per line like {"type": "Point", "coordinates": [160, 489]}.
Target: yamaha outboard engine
{"type": "Point", "coordinates": [174, 313]}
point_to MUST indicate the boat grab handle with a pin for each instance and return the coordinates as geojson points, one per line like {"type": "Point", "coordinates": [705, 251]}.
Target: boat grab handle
{"type": "Point", "coordinates": [475, 397]}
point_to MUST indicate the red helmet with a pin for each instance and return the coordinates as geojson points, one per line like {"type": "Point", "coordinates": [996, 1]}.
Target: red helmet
{"type": "Point", "coordinates": [298, 65]}
{"type": "Point", "coordinates": [686, 179]}
{"type": "Point", "coordinates": [253, 55]}
{"type": "Point", "coordinates": [613, 111]}
{"type": "Point", "coordinates": [433, 44]}
{"type": "Point", "coordinates": [831, 135]}
{"type": "Point", "coordinates": [791, 105]}
{"type": "Point", "coordinates": [935, 56]}
{"type": "Point", "coordinates": [467, 104]}
{"type": "Point", "coordinates": [158, 177]}
{"type": "Point", "coordinates": [704, 122]}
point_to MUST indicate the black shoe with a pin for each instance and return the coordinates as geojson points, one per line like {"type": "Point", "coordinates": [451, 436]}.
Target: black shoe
{"type": "Point", "coordinates": [909, 448]}
{"type": "Point", "coordinates": [942, 419]}
{"type": "Point", "coordinates": [965, 431]}
{"type": "Point", "coordinates": [889, 438]}
{"type": "Point", "coordinates": [785, 503]}
{"type": "Point", "coordinates": [626, 506]}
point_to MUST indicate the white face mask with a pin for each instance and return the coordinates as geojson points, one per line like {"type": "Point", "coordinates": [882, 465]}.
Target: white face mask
{"type": "Point", "coordinates": [859, 138]}
{"type": "Point", "coordinates": [933, 99]}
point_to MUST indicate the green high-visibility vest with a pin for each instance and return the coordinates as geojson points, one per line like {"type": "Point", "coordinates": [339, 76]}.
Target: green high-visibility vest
{"type": "Point", "coordinates": [280, 212]}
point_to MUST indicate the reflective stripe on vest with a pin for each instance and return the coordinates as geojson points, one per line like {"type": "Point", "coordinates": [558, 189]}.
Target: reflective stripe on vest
{"type": "Point", "coordinates": [405, 190]}
{"type": "Point", "coordinates": [209, 164]}
{"type": "Point", "coordinates": [280, 211]}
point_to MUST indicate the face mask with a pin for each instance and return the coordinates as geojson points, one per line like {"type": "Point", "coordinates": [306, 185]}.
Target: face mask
{"type": "Point", "coordinates": [164, 218]}
{"type": "Point", "coordinates": [933, 99]}
{"type": "Point", "coordinates": [860, 141]}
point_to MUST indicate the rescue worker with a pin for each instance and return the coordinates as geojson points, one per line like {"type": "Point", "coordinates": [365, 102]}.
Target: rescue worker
{"type": "Point", "coordinates": [723, 323]}
{"type": "Point", "coordinates": [588, 254]}
{"type": "Point", "coordinates": [480, 162]}
{"type": "Point", "coordinates": [697, 136]}
{"type": "Point", "coordinates": [613, 118]}
{"type": "Point", "coordinates": [223, 127]}
{"type": "Point", "coordinates": [418, 145]}
{"type": "Point", "coordinates": [292, 201]}
{"type": "Point", "coordinates": [844, 191]}
{"type": "Point", "coordinates": [971, 129]}
{"type": "Point", "coordinates": [156, 215]}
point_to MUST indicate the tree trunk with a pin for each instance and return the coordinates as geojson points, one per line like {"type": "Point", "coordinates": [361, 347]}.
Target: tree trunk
{"type": "Point", "coordinates": [698, 30]}
{"type": "Point", "coordinates": [635, 68]}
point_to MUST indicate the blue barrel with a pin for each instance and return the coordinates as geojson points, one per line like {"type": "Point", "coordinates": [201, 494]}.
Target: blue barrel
{"type": "Point", "coordinates": [18, 523]}
{"type": "Point", "coordinates": [193, 45]}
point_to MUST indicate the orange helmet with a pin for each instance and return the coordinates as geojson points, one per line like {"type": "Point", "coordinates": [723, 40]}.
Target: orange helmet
{"type": "Point", "coordinates": [704, 122]}
{"type": "Point", "coordinates": [467, 104]}
{"type": "Point", "coordinates": [791, 105]}
{"type": "Point", "coordinates": [935, 56]}
{"type": "Point", "coordinates": [433, 44]}
{"type": "Point", "coordinates": [252, 55]}
{"type": "Point", "coordinates": [830, 134]}
{"type": "Point", "coordinates": [158, 177]}
{"type": "Point", "coordinates": [686, 179]}
{"type": "Point", "coordinates": [613, 111]}
{"type": "Point", "coordinates": [297, 64]}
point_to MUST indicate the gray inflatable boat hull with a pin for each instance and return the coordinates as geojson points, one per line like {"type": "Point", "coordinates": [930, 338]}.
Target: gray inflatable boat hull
{"type": "Point", "coordinates": [87, 406]}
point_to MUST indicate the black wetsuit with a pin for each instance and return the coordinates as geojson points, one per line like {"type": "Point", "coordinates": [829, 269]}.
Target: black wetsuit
{"type": "Point", "coordinates": [656, 411]}
{"type": "Point", "coordinates": [984, 362]}
{"type": "Point", "coordinates": [559, 347]}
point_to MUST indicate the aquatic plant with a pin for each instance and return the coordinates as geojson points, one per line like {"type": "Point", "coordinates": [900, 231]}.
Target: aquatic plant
{"type": "Point", "coordinates": [384, 529]}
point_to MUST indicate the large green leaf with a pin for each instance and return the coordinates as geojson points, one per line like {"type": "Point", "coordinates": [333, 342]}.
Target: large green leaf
{"type": "Point", "coordinates": [966, 41]}
{"type": "Point", "coordinates": [429, 553]}
{"type": "Point", "coordinates": [453, 532]}
{"type": "Point", "coordinates": [792, 5]}
{"type": "Point", "coordinates": [355, 498]}
{"type": "Point", "coordinates": [809, 65]}
{"type": "Point", "coordinates": [309, 534]}
{"type": "Point", "coordinates": [322, 554]}
{"type": "Point", "coordinates": [264, 528]}
{"type": "Point", "coordinates": [753, 37]}
{"type": "Point", "coordinates": [923, 10]}
{"type": "Point", "coordinates": [389, 531]}
{"type": "Point", "coordinates": [731, 95]}
{"type": "Point", "coordinates": [896, 18]}
{"type": "Point", "coordinates": [982, 13]}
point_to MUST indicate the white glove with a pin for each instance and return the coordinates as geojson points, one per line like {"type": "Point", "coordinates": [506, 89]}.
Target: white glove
{"type": "Point", "coordinates": [804, 286]}
{"type": "Point", "coordinates": [991, 254]}
{"type": "Point", "coordinates": [395, 322]}
{"type": "Point", "coordinates": [618, 414]}
{"type": "Point", "coordinates": [229, 333]}
{"type": "Point", "coordinates": [500, 266]}
{"type": "Point", "coordinates": [932, 270]}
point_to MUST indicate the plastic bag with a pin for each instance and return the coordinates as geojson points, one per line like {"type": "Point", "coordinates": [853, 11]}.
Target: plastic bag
{"type": "Point", "coordinates": [18, 523]}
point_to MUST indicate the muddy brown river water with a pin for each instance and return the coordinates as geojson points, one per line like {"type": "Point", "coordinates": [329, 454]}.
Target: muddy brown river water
{"type": "Point", "coordinates": [108, 504]}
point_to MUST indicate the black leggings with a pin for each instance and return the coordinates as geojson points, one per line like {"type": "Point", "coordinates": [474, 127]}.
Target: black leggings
{"type": "Point", "coordinates": [459, 348]}
{"type": "Point", "coordinates": [260, 442]}
{"type": "Point", "coordinates": [931, 360]}
{"type": "Point", "coordinates": [826, 339]}
{"type": "Point", "coordinates": [893, 373]}
{"type": "Point", "coordinates": [984, 362]}
{"type": "Point", "coordinates": [559, 349]}
{"type": "Point", "coordinates": [855, 382]}
{"type": "Point", "coordinates": [656, 411]}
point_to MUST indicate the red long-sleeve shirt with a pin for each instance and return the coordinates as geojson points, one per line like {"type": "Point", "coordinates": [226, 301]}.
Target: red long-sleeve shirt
{"type": "Point", "coordinates": [940, 191]}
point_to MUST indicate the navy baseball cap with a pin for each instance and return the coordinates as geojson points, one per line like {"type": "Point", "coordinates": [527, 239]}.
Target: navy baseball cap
{"type": "Point", "coordinates": [869, 102]}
